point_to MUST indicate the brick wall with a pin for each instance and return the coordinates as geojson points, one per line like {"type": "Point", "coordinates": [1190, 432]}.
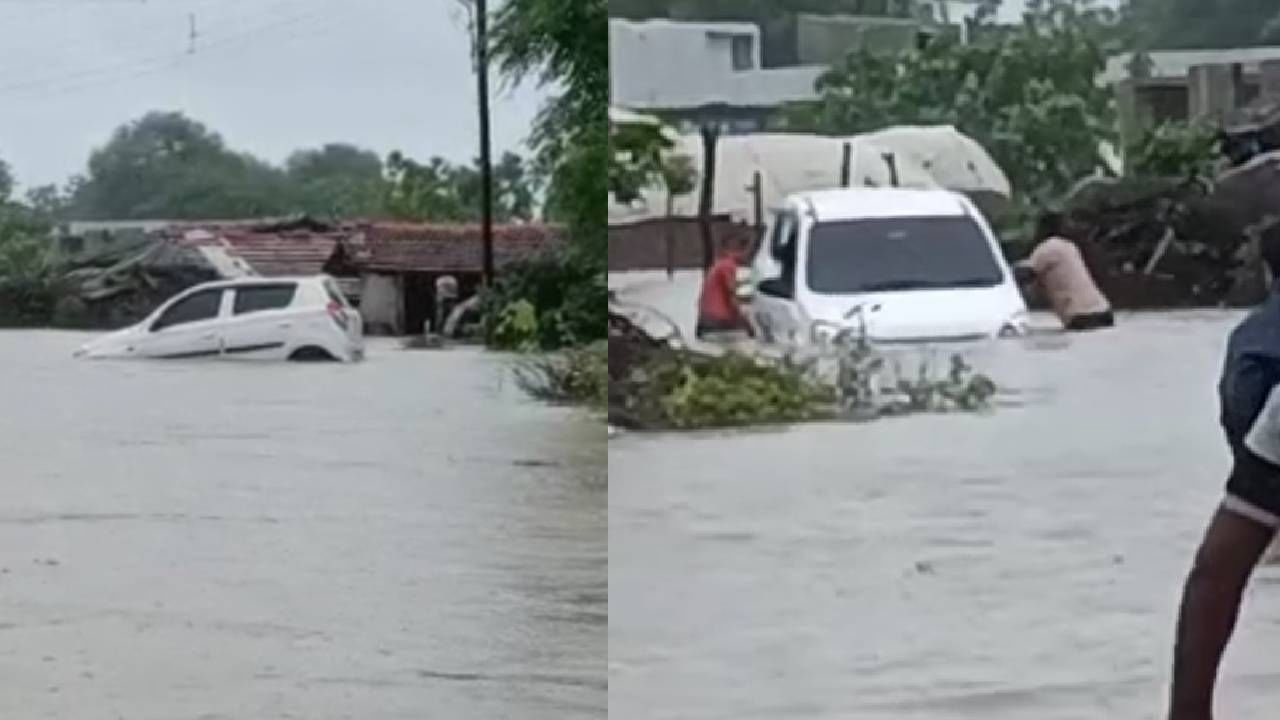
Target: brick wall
{"type": "Point", "coordinates": [644, 245]}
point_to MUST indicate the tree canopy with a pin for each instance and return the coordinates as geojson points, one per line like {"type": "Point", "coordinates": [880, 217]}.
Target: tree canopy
{"type": "Point", "coordinates": [336, 180]}
{"type": "Point", "coordinates": [565, 45]}
{"type": "Point", "coordinates": [167, 166]}
{"type": "Point", "coordinates": [1027, 93]}
{"type": "Point", "coordinates": [440, 191]}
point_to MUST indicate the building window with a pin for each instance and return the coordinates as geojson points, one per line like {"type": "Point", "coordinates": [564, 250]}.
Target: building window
{"type": "Point", "coordinates": [743, 50]}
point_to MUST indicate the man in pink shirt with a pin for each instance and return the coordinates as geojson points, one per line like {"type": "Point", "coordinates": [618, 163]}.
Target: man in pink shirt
{"type": "Point", "coordinates": [1058, 268]}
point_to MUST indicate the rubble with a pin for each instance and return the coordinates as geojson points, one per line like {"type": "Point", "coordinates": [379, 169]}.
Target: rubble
{"type": "Point", "coordinates": [1162, 243]}
{"type": "Point", "coordinates": [121, 286]}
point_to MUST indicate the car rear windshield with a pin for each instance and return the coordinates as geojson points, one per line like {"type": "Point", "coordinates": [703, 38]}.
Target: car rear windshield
{"type": "Point", "coordinates": [257, 298]}
{"type": "Point", "coordinates": [335, 293]}
{"type": "Point", "coordinates": [884, 254]}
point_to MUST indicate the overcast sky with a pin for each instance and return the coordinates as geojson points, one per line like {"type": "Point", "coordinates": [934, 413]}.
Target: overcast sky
{"type": "Point", "coordinates": [270, 75]}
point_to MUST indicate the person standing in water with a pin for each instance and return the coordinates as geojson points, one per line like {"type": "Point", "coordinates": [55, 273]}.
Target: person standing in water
{"type": "Point", "coordinates": [1248, 515]}
{"type": "Point", "coordinates": [1058, 268]}
{"type": "Point", "coordinates": [719, 310]}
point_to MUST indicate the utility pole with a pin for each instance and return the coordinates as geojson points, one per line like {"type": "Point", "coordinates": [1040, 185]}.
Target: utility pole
{"type": "Point", "coordinates": [486, 162]}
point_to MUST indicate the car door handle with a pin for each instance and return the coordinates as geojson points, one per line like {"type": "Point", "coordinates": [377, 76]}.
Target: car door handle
{"type": "Point", "coordinates": [286, 325]}
{"type": "Point", "coordinates": [211, 336]}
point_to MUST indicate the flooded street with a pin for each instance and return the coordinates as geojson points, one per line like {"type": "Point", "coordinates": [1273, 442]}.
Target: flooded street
{"type": "Point", "coordinates": [1025, 564]}
{"type": "Point", "coordinates": [404, 538]}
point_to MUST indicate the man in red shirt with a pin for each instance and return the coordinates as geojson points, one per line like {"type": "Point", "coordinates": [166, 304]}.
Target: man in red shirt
{"type": "Point", "coordinates": [718, 308]}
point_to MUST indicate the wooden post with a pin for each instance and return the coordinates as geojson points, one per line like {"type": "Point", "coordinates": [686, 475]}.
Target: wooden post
{"type": "Point", "coordinates": [486, 163]}
{"type": "Point", "coordinates": [710, 134]}
{"type": "Point", "coordinates": [757, 197]}
{"type": "Point", "coordinates": [892, 162]}
{"type": "Point", "coordinates": [670, 235]}
{"type": "Point", "coordinates": [846, 165]}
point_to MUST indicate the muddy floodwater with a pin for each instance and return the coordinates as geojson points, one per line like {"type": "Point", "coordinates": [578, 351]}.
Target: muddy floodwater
{"type": "Point", "coordinates": [1025, 564]}
{"type": "Point", "coordinates": [405, 538]}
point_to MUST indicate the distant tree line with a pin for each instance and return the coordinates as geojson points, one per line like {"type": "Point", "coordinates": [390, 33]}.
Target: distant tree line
{"type": "Point", "coordinates": [167, 166]}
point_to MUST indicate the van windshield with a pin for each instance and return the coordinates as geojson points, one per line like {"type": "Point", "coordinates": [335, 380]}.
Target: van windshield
{"type": "Point", "coordinates": [884, 254]}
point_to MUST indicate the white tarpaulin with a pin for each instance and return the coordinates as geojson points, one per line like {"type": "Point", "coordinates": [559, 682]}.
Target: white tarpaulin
{"type": "Point", "coordinates": [924, 157]}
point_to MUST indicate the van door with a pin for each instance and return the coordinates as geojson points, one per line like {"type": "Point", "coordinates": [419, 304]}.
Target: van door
{"type": "Point", "coordinates": [774, 310]}
{"type": "Point", "coordinates": [187, 328]}
{"type": "Point", "coordinates": [261, 321]}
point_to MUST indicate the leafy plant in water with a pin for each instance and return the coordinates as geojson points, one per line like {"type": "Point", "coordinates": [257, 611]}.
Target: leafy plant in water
{"type": "Point", "coordinates": [735, 390]}
{"type": "Point", "coordinates": [568, 293]}
{"type": "Point", "coordinates": [579, 375]}
{"type": "Point", "coordinates": [861, 389]}
{"type": "Point", "coordinates": [517, 327]}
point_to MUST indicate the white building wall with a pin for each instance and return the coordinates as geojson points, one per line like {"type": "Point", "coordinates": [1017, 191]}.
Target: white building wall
{"type": "Point", "coordinates": [662, 64]}
{"type": "Point", "coordinates": [381, 304]}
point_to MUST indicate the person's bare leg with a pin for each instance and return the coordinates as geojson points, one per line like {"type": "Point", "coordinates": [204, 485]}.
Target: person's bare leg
{"type": "Point", "coordinates": [1228, 554]}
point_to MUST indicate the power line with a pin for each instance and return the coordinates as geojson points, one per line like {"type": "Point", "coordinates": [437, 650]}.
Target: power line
{"type": "Point", "coordinates": [157, 27]}
{"type": "Point", "coordinates": [158, 63]}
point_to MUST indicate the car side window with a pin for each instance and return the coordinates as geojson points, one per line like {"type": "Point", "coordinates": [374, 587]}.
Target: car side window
{"type": "Point", "coordinates": [258, 298]}
{"type": "Point", "coordinates": [200, 306]}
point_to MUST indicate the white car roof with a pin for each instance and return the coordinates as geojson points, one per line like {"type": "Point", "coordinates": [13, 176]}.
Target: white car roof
{"type": "Point", "coordinates": [861, 203]}
{"type": "Point", "coordinates": [251, 281]}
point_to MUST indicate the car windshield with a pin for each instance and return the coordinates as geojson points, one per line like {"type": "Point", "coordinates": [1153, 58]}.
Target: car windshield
{"type": "Point", "coordinates": [885, 254]}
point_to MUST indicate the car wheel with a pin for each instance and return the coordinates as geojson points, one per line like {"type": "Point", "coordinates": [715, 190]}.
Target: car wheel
{"type": "Point", "coordinates": [311, 353]}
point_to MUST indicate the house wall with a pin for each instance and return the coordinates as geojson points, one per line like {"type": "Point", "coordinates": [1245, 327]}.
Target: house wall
{"type": "Point", "coordinates": [382, 304]}
{"type": "Point", "coordinates": [828, 40]}
{"type": "Point", "coordinates": [644, 245]}
{"type": "Point", "coordinates": [664, 65]}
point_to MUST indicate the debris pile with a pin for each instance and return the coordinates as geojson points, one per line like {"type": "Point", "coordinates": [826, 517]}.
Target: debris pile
{"type": "Point", "coordinates": [122, 285]}
{"type": "Point", "coordinates": [1162, 243]}
{"type": "Point", "coordinates": [1157, 243]}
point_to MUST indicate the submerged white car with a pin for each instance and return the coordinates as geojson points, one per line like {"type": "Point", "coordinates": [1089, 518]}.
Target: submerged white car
{"type": "Point", "coordinates": [905, 266]}
{"type": "Point", "coordinates": [305, 318]}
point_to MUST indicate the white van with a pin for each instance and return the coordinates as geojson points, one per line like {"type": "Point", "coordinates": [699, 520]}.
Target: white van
{"type": "Point", "coordinates": [305, 318]}
{"type": "Point", "coordinates": [916, 266]}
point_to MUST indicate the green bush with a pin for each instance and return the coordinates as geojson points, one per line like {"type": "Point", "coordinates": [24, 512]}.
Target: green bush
{"type": "Point", "coordinates": [516, 327]}
{"type": "Point", "coordinates": [1174, 150]}
{"type": "Point", "coordinates": [567, 292]}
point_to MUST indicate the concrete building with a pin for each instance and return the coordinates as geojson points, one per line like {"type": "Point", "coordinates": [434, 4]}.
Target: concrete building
{"type": "Point", "coordinates": [1184, 84]}
{"type": "Point", "coordinates": [691, 72]}
{"type": "Point", "coordinates": [738, 74]}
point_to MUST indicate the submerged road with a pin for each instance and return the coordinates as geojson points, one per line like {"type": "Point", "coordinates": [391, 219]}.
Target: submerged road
{"type": "Point", "coordinates": [403, 538]}
{"type": "Point", "coordinates": [1025, 564]}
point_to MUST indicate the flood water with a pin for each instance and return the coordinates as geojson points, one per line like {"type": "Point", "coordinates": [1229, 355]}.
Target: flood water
{"type": "Point", "coordinates": [1025, 564]}
{"type": "Point", "coordinates": [404, 538]}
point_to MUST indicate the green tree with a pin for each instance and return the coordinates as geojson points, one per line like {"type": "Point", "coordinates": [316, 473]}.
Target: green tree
{"type": "Point", "coordinates": [337, 181]}
{"type": "Point", "coordinates": [637, 163]}
{"type": "Point", "coordinates": [168, 166]}
{"type": "Point", "coordinates": [565, 45]}
{"type": "Point", "coordinates": [1174, 150]}
{"type": "Point", "coordinates": [1026, 93]}
{"type": "Point", "coordinates": [6, 182]}
{"type": "Point", "coordinates": [49, 203]}
{"type": "Point", "coordinates": [25, 295]}
{"type": "Point", "coordinates": [442, 192]}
